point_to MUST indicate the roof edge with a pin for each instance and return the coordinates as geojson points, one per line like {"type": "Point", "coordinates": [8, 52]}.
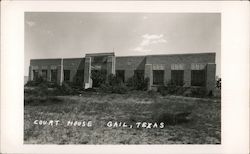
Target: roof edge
{"type": "Point", "coordinates": [169, 54]}
{"type": "Point", "coordinates": [112, 53]}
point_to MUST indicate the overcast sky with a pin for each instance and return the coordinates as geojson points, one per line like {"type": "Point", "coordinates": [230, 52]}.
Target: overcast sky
{"type": "Point", "coordinates": [64, 35]}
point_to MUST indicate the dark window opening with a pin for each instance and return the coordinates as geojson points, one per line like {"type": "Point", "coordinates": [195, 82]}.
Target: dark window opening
{"type": "Point", "coordinates": [158, 77]}
{"type": "Point", "coordinates": [177, 77]}
{"type": "Point", "coordinates": [66, 75]}
{"type": "Point", "coordinates": [120, 75]}
{"type": "Point", "coordinates": [198, 78]}
{"type": "Point", "coordinates": [44, 74]}
{"type": "Point", "coordinates": [53, 75]}
{"type": "Point", "coordinates": [35, 75]}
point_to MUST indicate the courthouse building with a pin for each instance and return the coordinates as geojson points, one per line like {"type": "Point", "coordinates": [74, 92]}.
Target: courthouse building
{"type": "Point", "coordinates": [196, 69]}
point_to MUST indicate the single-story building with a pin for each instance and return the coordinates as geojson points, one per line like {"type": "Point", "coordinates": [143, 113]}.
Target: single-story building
{"type": "Point", "coordinates": [195, 69]}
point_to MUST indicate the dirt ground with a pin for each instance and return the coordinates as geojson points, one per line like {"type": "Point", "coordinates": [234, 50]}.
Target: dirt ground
{"type": "Point", "coordinates": [97, 118]}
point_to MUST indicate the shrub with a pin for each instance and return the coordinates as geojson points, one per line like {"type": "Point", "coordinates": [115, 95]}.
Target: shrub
{"type": "Point", "coordinates": [172, 118]}
{"type": "Point", "coordinates": [171, 113]}
{"type": "Point", "coordinates": [41, 100]}
{"type": "Point", "coordinates": [114, 85]}
{"type": "Point", "coordinates": [98, 77]}
{"type": "Point", "coordinates": [39, 95]}
{"type": "Point", "coordinates": [187, 93]}
{"type": "Point", "coordinates": [113, 80]}
{"type": "Point", "coordinates": [152, 94]}
{"type": "Point", "coordinates": [218, 83]}
{"type": "Point", "coordinates": [171, 89]}
{"type": "Point", "coordinates": [105, 88]}
{"type": "Point", "coordinates": [132, 118]}
{"type": "Point", "coordinates": [65, 89]}
{"type": "Point", "coordinates": [40, 81]}
{"type": "Point", "coordinates": [31, 84]}
{"type": "Point", "coordinates": [138, 83]}
{"type": "Point", "coordinates": [198, 92]}
{"type": "Point", "coordinates": [33, 100]}
{"type": "Point", "coordinates": [210, 93]}
{"type": "Point", "coordinates": [52, 89]}
{"type": "Point", "coordinates": [167, 118]}
{"type": "Point", "coordinates": [163, 90]}
{"type": "Point", "coordinates": [52, 84]}
{"type": "Point", "coordinates": [77, 88]}
{"type": "Point", "coordinates": [42, 89]}
{"type": "Point", "coordinates": [119, 89]}
{"type": "Point", "coordinates": [90, 90]}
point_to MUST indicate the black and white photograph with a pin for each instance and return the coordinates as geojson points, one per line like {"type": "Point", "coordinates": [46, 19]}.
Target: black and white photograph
{"type": "Point", "coordinates": [122, 78]}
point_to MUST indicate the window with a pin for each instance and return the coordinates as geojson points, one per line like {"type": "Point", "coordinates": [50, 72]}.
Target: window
{"type": "Point", "coordinates": [198, 78]}
{"type": "Point", "coordinates": [158, 66]}
{"type": "Point", "coordinates": [177, 77]}
{"type": "Point", "coordinates": [35, 75]}
{"type": "Point", "coordinates": [139, 74]}
{"type": "Point", "coordinates": [197, 66]}
{"type": "Point", "coordinates": [66, 75]}
{"type": "Point", "coordinates": [53, 75]}
{"type": "Point", "coordinates": [44, 74]}
{"type": "Point", "coordinates": [120, 74]}
{"type": "Point", "coordinates": [158, 77]}
{"type": "Point", "coordinates": [177, 66]}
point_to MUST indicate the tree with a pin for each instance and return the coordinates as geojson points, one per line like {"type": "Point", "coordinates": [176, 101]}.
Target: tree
{"type": "Point", "coordinates": [218, 83]}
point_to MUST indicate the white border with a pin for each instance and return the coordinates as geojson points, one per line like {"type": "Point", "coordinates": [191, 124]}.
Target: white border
{"type": "Point", "coordinates": [234, 71]}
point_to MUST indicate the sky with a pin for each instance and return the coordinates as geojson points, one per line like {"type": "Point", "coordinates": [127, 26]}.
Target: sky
{"type": "Point", "coordinates": [72, 35]}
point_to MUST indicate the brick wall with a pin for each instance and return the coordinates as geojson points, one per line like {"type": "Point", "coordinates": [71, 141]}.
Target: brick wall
{"type": "Point", "coordinates": [131, 63]}
{"type": "Point", "coordinates": [181, 58]}
{"type": "Point", "coordinates": [74, 65]}
{"type": "Point", "coordinates": [45, 62]}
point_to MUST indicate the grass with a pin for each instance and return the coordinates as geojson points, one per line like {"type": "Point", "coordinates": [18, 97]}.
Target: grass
{"type": "Point", "coordinates": [202, 128]}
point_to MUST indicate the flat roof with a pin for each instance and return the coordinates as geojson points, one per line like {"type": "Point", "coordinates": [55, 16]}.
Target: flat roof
{"type": "Point", "coordinates": [113, 54]}
{"type": "Point", "coordinates": [169, 54]}
{"type": "Point", "coordinates": [100, 54]}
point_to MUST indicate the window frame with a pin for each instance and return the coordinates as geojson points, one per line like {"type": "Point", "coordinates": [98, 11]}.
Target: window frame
{"type": "Point", "coordinates": [35, 75]}
{"type": "Point", "coordinates": [52, 71]}
{"type": "Point", "coordinates": [177, 77]}
{"type": "Point", "coordinates": [44, 76]}
{"type": "Point", "coordinates": [64, 72]}
{"type": "Point", "coordinates": [201, 78]}
{"type": "Point", "coordinates": [161, 78]}
{"type": "Point", "coordinates": [123, 74]}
